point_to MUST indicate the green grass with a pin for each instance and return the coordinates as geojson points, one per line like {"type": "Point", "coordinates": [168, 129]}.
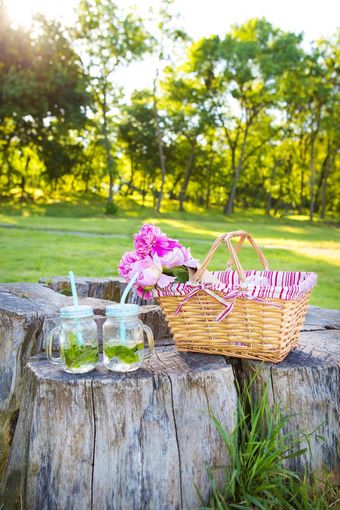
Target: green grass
{"type": "Point", "coordinates": [256, 476]}
{"type": "Point", "coordinates": [42, 241]}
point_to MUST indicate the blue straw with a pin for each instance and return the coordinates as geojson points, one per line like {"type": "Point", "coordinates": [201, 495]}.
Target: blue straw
{"type": "Point", "coordinates": [75, 303]}
{"type": "Point", "coordinates": [122, 333]}
{"type": "Point", "coordinates": [128, 288]}
{"type": "Point", "coordinates": [73, 289]}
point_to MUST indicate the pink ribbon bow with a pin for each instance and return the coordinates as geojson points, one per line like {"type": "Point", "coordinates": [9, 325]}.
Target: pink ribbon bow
{"type": "Point", "coordinates": [228, 306]}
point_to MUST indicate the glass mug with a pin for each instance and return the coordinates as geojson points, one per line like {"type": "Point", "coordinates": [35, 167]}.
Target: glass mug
{"type": "Point", "coordinates": [78, 340]}
{"type": "Point", "coordinates": [123, 339]}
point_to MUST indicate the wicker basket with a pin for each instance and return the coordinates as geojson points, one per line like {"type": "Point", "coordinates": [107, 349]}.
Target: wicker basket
{"type": "Point", "coordinates": [260, 322]}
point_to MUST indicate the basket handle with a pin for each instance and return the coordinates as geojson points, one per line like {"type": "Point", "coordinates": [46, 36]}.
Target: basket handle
{"type": "Point", "coordinates": [237, 249]}
{"type": "Point", "coordinates": [233, 253]}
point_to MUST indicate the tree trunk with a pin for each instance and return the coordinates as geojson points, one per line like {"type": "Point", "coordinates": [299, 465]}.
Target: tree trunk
{"type": "Point", "coordinates": [229, 205]}
{"type": "Point", "coordinates": [330, 162]}
{"type": "Point", "coordinates": [312, 179]}
{"type": "Point", "coordinates": [160, 146]}
{"type": "Point", "coordinates": [269, 201]}
{"type": "Point", "coordinates": [207, 198]}
{"type": "Point", "coordinates": [187, 175]}
{"type": "Point", "coordinates": [121, 441]}
{"type": "Point", "coordinates": [130, 183]}
{"type": "Point", "coordinates": [306, 385]}
{"type": "Point", "coordinates": [107, 144]}
{"type": "Point", "coordinates": [125, 419]}
{"type": "Point", "coordinates": [23, 177]}
{"type": "Point", "coordinates": [301, 191]}
{"type": "Point", "coordinates": [177, 179]}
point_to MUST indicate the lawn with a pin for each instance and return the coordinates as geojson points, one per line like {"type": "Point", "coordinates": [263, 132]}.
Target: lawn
{"type": "Point", "coordinates": [48, 240]}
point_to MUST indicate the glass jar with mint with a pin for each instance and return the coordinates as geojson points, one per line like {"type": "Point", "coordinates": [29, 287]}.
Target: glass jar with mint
{"type": "Point", "coordinates": [78, 340]}
{"type": "Point", "coordinates": [123, 338]}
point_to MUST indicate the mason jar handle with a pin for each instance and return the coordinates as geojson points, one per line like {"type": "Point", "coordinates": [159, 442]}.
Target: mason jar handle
{"type": "Point", "coordinates": [49, 345]}
{"type": "Point", "coordinates": [149, 335]}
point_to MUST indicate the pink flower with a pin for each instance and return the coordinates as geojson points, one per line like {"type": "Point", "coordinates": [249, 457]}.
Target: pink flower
{"type": "Point", "coordinates": [172, 258]}
{"type": "Point", "coordinates": [125, 265]}
{"type": "Point", "coordinates": [178, 257]}
{"type": "Point", "coordinates": [154, 253]}
{"type": "Point", "coordinates": [150, 240]}
{"type": "Point", "coordinates": [188, 260]}
{"type": "Point", "coordinates": [150, 273]}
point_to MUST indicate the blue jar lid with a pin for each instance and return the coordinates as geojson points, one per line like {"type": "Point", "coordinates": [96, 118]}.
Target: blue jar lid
{"type": "Point", "coordinates": [76, 312]}
{"type": "Point", "coordinates": [122, 310]}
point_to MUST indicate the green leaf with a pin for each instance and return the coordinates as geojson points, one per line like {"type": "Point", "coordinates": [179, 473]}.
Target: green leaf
{"type": "Point", "coordinates": [123, 353]}
{"type": "Point", "coordinates": [181, 273]}
{"type": "Point", "coordinates": [76, 355]}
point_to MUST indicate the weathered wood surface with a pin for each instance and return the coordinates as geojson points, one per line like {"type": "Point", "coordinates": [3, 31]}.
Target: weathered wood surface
{"type": "Point", "coordinates": [110, 289]}
{"type": "Point", "coordinates": [28, 312]}
{"type": "Point", "coordinates": [107, 441]}
{"type": "Point", "coordinates": [306, 385]}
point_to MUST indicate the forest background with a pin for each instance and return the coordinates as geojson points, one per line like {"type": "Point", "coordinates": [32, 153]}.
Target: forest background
{"type": "Point", "coordinates": [241, 129]}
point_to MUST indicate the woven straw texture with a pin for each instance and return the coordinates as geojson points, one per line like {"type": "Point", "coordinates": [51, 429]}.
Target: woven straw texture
{"type": "Point", "coordinates": [253, 330]}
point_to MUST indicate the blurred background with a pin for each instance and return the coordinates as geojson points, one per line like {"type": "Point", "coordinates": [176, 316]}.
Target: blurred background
{"type": "Point", "coordinates": [201, 117]}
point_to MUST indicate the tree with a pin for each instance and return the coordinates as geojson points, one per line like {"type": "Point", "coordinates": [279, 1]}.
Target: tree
{"type": "Point", "coordinates": [42, 89]}
{"type": "Point", "coordinates": [168, 41]}
{"type": "Point", "coordinates": [311, 93]}
{"type": "Point", "coordinates": [189, 119]}
{"type": "Point", "coordinates": [109, 39]}
{"type": "Point", "coordinates": [136, 135]}
{"type": "Point", "coordinates": [241, 74]}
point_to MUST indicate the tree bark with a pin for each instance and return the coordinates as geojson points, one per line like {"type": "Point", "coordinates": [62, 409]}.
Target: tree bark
{"type": "Point", "coordinates": [324, 187]}
{"type": "Point", "coordinates": [130, 183]}
{"type": "Point", "coordinates": [120, 441]}
{"type": "Point", "coordinates": [322, 184]}
{"type": "Point", "coordinates": [107, 145]}
{"type": "Point", "coordinates": [269, 201]}
{"type": "Point", "coordinates": [207, 198]}
{"type": "Point", "coordinates": [306, 385]}
{"type": "Point", "coordinates": [312, 179]}
{"type": "Point", "coordinates": [187, 175]}
{"type": "Point", "coordinates": [228, 208]}
{"type": "Point", "coordinates": [160, 146]}
{"type": "Point", "coordinates": [106, 414]}
{"type": "Point", "coordinates": [177, 179]}
{"type": "Point", "coordinates": [301, 191]}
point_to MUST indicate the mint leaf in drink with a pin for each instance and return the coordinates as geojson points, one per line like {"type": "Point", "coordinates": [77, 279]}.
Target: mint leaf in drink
{"type": "Point", "coordinates": [76, 356]}
{"type": "Point", "coordinates": [123, 353]}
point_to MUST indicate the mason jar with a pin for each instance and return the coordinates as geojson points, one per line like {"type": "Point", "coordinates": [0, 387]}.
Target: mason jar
{"type": "Point", "coordinates": [123, 338]}
{"type": "Point", "coordinates": [78, 340]}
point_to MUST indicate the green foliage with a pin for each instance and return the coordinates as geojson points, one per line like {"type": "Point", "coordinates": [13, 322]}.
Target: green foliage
{"type": "Point", "coordinates": [123, 353]}
{"type": "Point", "coordinates": [181, 273]}
{"type": "Point", "coordinates": [77, 355]}
{"type": "Point", "coordinates": [247, 119]}
{"type": "Point", "coordinates": [256, 476]}
{"type": "Point", "coordinates": [111, 209]}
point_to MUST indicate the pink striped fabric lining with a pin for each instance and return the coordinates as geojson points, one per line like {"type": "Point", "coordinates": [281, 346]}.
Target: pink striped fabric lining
{"type": "Point", "coordinates": [287, 285]}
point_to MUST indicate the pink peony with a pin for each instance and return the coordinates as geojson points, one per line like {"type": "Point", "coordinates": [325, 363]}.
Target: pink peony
{"type": "Point", "coordinates": [150, 240]}
{"type": "Point", "coordinates": [178, 257]}
{"type": "Point", "coordinates": [188, 260]}
{"type": "Point", "coordinates": [154, 252]}
{"type": "Point", "coordinates": [125, 265]}
{"type": "Point", "coordinates": [150, 273]}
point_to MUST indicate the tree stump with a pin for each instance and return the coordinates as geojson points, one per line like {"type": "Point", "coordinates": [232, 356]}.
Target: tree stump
{"type": "Point", "coordinates": [28, 312]}
{"type": "Point", "coordinates": [306, 385]}
{"type": "Point", "coordinates": [112, 441]}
